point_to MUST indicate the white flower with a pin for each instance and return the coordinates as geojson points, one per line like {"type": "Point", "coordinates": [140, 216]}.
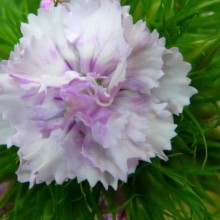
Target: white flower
{"type": "Point", "coordinates": [86, 94]}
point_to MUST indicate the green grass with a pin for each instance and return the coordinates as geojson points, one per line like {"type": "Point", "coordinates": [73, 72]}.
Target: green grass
{"type": "Point", "coordinates": [177, 189]}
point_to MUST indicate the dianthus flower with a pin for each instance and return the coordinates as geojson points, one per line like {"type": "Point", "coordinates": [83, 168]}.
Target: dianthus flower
{"type": "Point", "coordinates": [87, 94]}
{"type": "Point", "coordinates": [47, 4]}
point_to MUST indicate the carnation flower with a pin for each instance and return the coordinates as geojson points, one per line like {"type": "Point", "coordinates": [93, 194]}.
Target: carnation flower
{"type": "Point", "coordinates": [46, 4]}
{"type": "Point", "coordinates": [87, 94]}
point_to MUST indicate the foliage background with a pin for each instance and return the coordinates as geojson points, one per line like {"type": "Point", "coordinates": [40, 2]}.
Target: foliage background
{"type": "Point", "coordinates": [185, 187]}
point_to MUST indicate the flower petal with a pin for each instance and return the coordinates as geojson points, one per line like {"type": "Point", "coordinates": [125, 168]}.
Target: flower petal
{"type": "Point", "coordinates": [101, 46]}
{"type": "Point", "coordinates": [175, 70]}
{"type": "Point", "coordinates": [145, 59]}
{"type": "Point", "coordinates": [6, 132]}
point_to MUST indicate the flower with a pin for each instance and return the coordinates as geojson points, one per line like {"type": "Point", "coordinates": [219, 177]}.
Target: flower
{"type": "Point", "coordinates": [121, 216]}
{"type": "Point", "coordinates": [3, 188]}
{"type": "Point", "coordinates": [47, 4]}
{"type": "Point", "coordinates": [103, 203]}
{"type": "Point", "coordinates": [87, 94]}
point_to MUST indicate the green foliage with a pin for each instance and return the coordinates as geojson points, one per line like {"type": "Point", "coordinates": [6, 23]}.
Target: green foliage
{"type": "Point", "coordinates": [12, 13]}
{"type": "Point", "coordinates": [185, 187]}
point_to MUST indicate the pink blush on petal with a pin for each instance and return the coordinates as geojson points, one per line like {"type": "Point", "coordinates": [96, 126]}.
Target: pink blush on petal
{"type": "Point", "coordinates": [46, 4]}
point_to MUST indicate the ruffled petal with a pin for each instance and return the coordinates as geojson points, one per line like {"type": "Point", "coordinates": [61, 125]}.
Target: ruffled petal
{"type": "Point", "coordinates": [39, 62]}
{"type": "Point", "coordinates": [174, 85]}
{"type": "Point", "coordinates": [12, 107]}
{"type": "Point", "coordinates": [38, 160]}
{"type": "Point", "coordinates": [128, 135]}
{"type": "Point", "coordinates": [43, 25]}
{"type": "Point", "coordinates": [6, 133]}
{"type": "Point", "coordinates": [101, 47]}
{"type": "Point", "coordinates": [145, 59]}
